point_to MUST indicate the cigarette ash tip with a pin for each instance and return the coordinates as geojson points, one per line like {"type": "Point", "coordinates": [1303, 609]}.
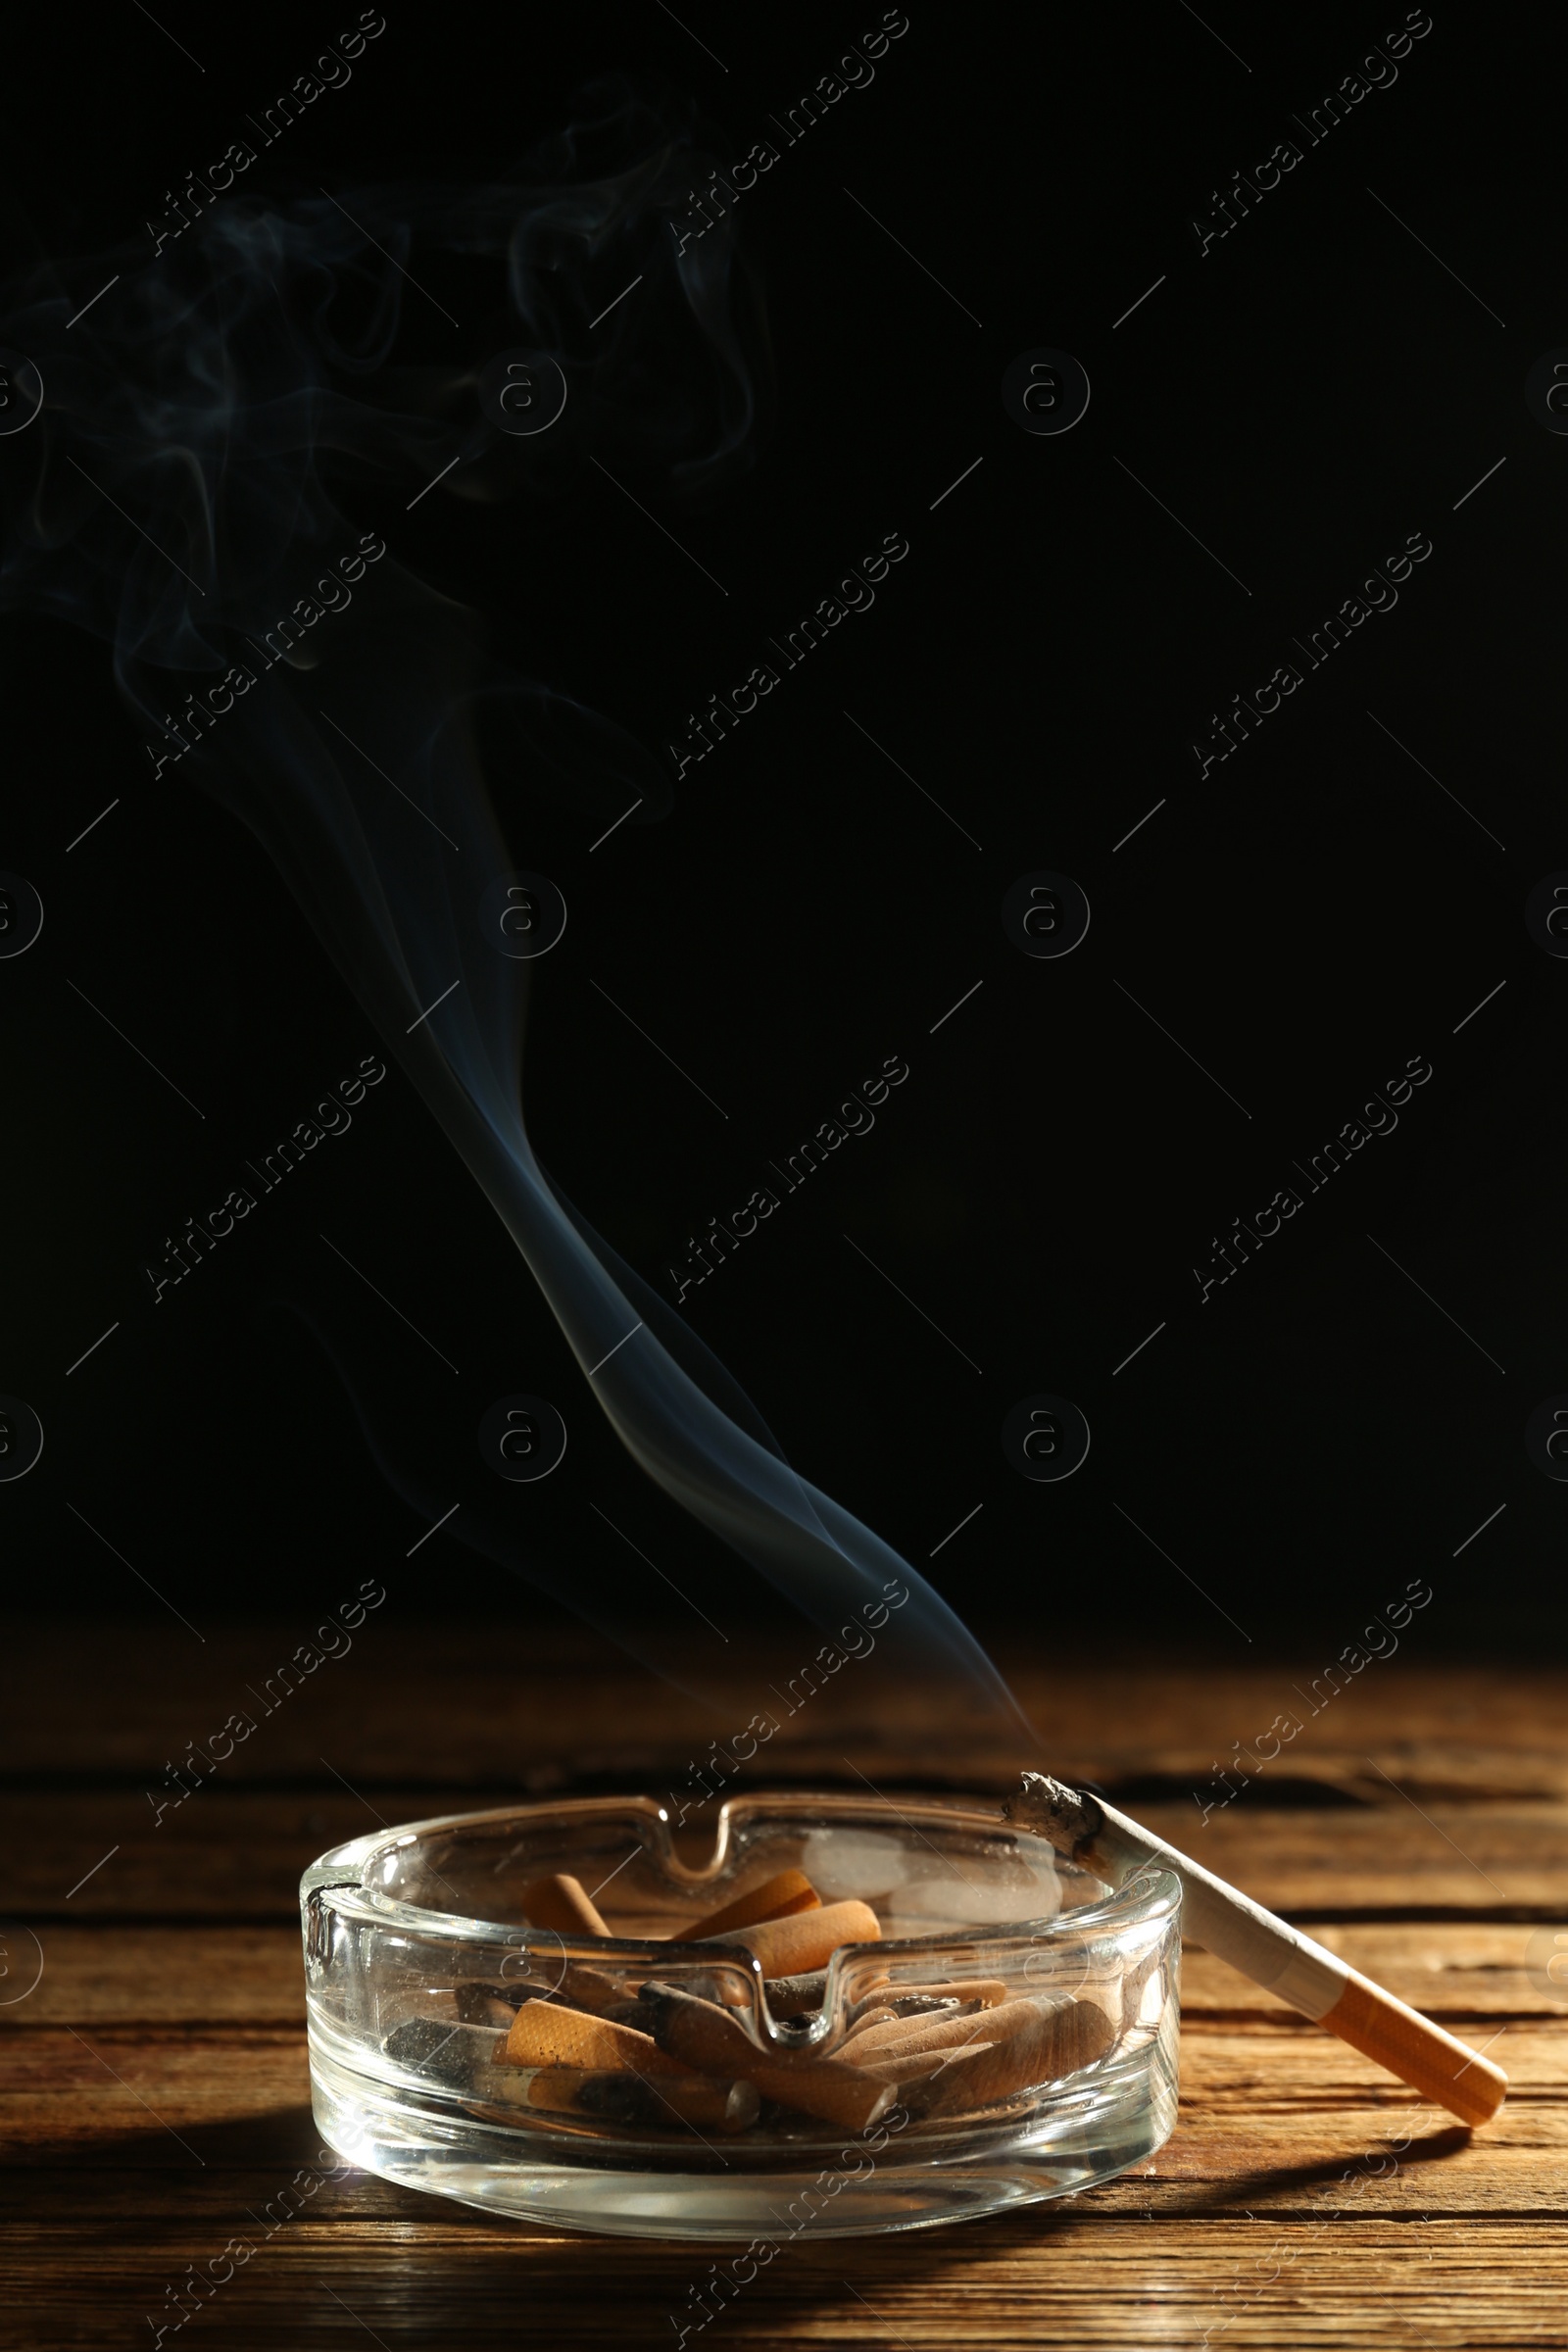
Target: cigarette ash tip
{"type": "Point", "coordinates": [1052, 1810]}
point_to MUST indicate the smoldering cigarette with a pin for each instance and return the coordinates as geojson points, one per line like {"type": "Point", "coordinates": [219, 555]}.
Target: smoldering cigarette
{"type": "Point", "coordinates": [543, 2033]}
{"type": "Point", "coordinates": [1317, 1982]}
{"type": "Point", "coordinates": [561, 1901]}
{"type": "Point", "coordinates": [778, 1898]}
{"type": "Point", "coordinates": [633, 2098]}
{"type": "Point", "coordinates": [806, 1940]}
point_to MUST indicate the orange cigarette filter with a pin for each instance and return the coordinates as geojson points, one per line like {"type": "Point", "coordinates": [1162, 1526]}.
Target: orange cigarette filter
{"type": "Point", "coordinates": [777, 1898]}
{"type": "Point", "coordinates": [545, 2034]}
{"type": "Point", "coordinates": [561, 1902]}
{"type": "Point", "coordinates": [806, 1940]}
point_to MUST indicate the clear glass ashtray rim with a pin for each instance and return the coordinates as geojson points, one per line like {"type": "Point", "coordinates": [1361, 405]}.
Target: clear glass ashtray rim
{"type": "Point", "coordinates": [1147, 1898]}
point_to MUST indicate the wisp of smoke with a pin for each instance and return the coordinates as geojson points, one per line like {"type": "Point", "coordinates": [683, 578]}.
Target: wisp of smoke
{"type": "Point", "coordinates": [175, 503]}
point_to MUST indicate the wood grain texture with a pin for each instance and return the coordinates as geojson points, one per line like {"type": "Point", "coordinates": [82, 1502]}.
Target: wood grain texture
{"type": "Point", "coordinates": [237, 1853]}
{"type": "Point", "coordinates": [105, 1701]}
{"type": "Point", "coordinates": [154, 2090]}
{"type": "Point", "coordinates": [201, 1974]}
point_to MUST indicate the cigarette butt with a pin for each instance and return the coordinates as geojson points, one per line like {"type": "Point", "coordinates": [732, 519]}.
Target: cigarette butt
{"type": "Point", "coordinates": [807, 1939]}
{"type": "Point", "coordinates": [546, 2035]}
{"type": "Point", "coordinates": [695, 2032]}
{"type": "Point", "coordinates": [1053, 2044]}
{"type": "Point", "coordinates": [935, 2080]}
{"type": "Point", "coordinates": [913, 2036]}
{"type": "Point", "coordinates": [798, 1996]}
{"type": "Point", "coordinates": [845, 2095]}
{"type": "Point", "coordinates": [627, 2098]}
{"type": "Point", "coordinates": [795, 1996]}
{"type": "Point", "coordinates": [591, 1989]}
{"type": "Point", "coordinates": [863, 2025]}
{"type": "Point", "coordinates": [775, 1899]}
{"type": "Point", "coordinates": [701, 2034]}
{"type": "Point", "coordinates": [544, 1975]}
{"type": "Point", "coordinates": [560, 1902]}
{"type": "Point", "coordinates": [909, 2012]}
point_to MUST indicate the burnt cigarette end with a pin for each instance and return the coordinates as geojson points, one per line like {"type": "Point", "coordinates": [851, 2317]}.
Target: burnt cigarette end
{"type": "Point", "coordinates": [1068, 1816]}
{"type": "Point", "coordinates": [798, 1995]}
{"type": "Point", "coordinates": [421, 2041]}
{"type": "Point", "coordinates": [670, 2104]}
{"type": "Point", "coordinates": [694, 2031]}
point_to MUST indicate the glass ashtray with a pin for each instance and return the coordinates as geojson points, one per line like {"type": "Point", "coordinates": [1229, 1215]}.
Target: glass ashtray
{"type": "Point", "coordinates": [998, 2026]}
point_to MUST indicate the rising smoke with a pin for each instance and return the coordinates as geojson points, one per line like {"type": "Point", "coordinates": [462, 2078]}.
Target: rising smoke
{"type": "Point", "coordinates": [208, 430]}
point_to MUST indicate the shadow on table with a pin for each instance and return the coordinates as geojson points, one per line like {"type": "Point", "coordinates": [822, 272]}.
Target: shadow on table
{"type": "Point", "coordinates": [416, 2270]}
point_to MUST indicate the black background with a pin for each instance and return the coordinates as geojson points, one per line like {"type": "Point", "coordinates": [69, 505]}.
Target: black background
{"type": "Point", "coordinates": [1305, 395]}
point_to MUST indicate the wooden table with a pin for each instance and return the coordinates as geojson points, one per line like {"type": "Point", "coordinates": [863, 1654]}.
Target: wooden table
{"type": "Point", "coordinates": [154, 2086]}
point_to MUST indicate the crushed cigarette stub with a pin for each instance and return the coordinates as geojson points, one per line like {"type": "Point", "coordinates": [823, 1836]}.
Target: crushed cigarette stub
{"type": "Point", "coordinates": [545, 2034]}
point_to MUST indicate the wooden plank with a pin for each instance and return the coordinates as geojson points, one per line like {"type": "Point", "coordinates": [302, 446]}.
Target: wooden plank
{"type": "Point", "coordinates": [1254, 2092]}
{"type": "Point", "coordinates": [555, 1708]}
{"type": "Point", "coordinates": [1448, 1970]}
{"type": "Point", "coordinates": [1009, 2286]}
{"type": "Point", "coordinates": [202, 1975]}
{"type": "Point", "coordinates": [237, 1853]}
{"type": "Point", "coordinates": [187, 1976]}
{"type": "Point", "coordinates": [1276, 2217]}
